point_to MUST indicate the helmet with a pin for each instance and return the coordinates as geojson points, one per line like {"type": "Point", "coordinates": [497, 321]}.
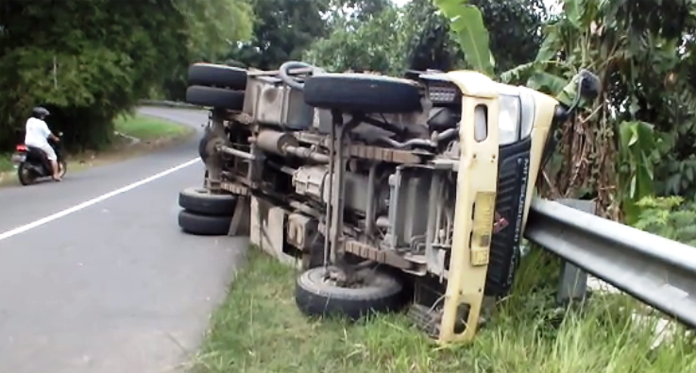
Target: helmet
{"type": "Point", "coordinates": [40, 112]}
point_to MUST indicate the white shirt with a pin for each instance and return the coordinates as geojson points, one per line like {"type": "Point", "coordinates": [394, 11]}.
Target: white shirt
{"type": "Point", "coordinates": [37, 133]}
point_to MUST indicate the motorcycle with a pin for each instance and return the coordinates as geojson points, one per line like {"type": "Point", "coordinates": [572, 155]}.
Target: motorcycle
{"type": "Point", "coordinates": [32, 163]}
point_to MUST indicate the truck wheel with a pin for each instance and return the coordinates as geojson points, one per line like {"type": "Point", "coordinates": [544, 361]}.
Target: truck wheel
{"type": "Point", "coordinates": [217, 76]}
{"type": "Point", "coordinates": [215, 97]}
{"type": "Point", "coordinates": [204, 225]}
{"type": "Point", "coordinates": [317, 296]}
{"type": "Point", "coordinates": [201, 201]}
{"type": "Point", "coordinates": [362, 93]}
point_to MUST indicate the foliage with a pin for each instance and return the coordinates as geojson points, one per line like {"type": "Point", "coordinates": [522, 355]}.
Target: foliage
{"type": "Point", "coordinates": [431, 45]}
{"type": "Point", "coordinates": [365, 47]}
{"type": "Point", "coordinates": [357, 10]}
{"type": "Point", "coordinates": [675, 114]}
{"type": "Point", "coordinates": [587, 152]}
{"type": "Point", "coordinates": [467, 23]}
{"type": "Point", "coordinates": [282, 30]}
{"type": "Point", "coordinates": [419, 37]}
{"type": "Point", "coordinates": [636, 154]}
{"type": "Point", "coordinates": [93, 59]}
{"type": "Point", "coordinates": [669, 217]}
{"type": "Point", "coordinates": [213, 26]}
{"type": "Point", "coordinates": [609, 151]}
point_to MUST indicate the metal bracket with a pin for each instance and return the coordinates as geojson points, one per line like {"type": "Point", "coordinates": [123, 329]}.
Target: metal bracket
{"type": "Point", "coordinates": [572, 285]}
{"type": "Point", "coordinates": [240, 225]}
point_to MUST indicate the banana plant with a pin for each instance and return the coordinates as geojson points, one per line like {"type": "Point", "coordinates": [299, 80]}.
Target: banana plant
{"type": "Point", "coordinates": [636, 154]}
{"type": "Point", "coordinates": [472, 36]}
{"type": "Point", "coordinates": [607, 150]}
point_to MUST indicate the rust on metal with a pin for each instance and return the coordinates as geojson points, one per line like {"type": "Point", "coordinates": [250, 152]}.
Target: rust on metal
{"type": "Point", "coordinates": [384, 154]}
{"type": "Point", "coordinates": [381, 256]}
{"type": "Point", "coordinates": [234, 188]}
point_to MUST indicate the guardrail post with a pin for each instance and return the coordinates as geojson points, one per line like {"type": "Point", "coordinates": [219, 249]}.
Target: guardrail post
{"type": "Point", "coordinates": [573, 281]}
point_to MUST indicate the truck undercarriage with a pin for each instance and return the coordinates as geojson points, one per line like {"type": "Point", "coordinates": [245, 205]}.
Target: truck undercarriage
{"type": "Point", "coordinates": [387, 192]}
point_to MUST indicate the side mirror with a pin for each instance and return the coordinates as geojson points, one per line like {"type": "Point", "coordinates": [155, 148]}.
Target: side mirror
{"type": "Point", "coordinates": [584, 85]}
{"type": "Point", "coordinates": [588, 85]}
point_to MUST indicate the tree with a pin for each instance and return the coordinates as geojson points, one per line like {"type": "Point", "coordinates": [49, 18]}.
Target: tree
{"type": "Point", "coordinates": [514, 28]}
{"type": "Point", "coordinates": [363, 45]}
{"type": "Point", "coordinates": [91, 59]}
{"type": "Point", "coordinates": [358, 10]}
{"type": "Point", "coordinates": [431, 46]}
{"type": "Point", "coordinates": [214, 26]}
{"type": "Point", "coordinates": [282, 30]}
{"type": "Point", "coordinates": [418, 37]}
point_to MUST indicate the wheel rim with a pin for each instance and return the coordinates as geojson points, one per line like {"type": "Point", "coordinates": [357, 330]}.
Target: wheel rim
{"type": "Point", "coordinates": [202, 191]}
{"type": "Point", "coordinates": [25, 175]}
{"type": "Point", "coordinates": [335, 277]}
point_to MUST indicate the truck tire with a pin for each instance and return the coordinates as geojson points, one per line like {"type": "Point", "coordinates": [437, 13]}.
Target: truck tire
{"type": "Point", "coordinates": [362, 93]}
{"type": "Point", "coordinates": [201, 201]}
{"type": "Point", "coordinates": [204, 225]}
{"type": "Point", "coordinates": [316, 297]}
{"type": "Point", "coordinates": [213, 75]}
{"type": "Point", "coordinates": [215, 97]}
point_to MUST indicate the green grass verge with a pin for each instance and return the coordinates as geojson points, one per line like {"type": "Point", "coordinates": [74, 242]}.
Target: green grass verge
{"type": "Point", "coordinates": [5, 164]}
{"type": "Point", "coordinates": [149, 128]}
{"type": "Point", "coordinates": [259, 329]}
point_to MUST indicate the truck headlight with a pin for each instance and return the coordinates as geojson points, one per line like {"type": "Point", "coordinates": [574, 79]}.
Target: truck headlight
{"type": "Point", "coordinates": [508, 119]}
{"type": "Point", "coordinates": [527, 110]}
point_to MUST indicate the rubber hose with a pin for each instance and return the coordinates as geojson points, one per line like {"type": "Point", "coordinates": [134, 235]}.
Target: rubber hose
{"type": "Point", "coordinates": [287, 79]}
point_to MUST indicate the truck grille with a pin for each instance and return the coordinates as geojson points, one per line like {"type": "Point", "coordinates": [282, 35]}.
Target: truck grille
{"type": "Point", "coordinates": [513, 175]}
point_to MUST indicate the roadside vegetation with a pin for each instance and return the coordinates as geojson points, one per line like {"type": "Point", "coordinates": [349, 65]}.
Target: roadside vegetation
{"type": "Point", "coordinates": [259, 329]}
{"type": "Point", "coordinates": [5, 164]}
{"type": "Point", "coordinates": [146, 128]}
{"type": "Point", "coordinates": [90, 61]}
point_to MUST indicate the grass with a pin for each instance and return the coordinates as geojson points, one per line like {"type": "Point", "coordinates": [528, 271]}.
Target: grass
{"type": "Point", "coordinates": [148, 128]}
{"type": "Point", "coordinates": [5, 164]}
{"type": "Point", "coordinates": [259, 329]}
{"type": "Point", "coordinates": [152, 133]}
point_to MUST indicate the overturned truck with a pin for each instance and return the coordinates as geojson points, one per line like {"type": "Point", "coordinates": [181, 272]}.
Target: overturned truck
{"type": "Point", "coordinates": [387, 192]}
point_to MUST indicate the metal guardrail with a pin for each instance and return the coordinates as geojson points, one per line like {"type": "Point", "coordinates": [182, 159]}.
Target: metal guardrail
{"type": "Point", "coordinates": [653, 269]}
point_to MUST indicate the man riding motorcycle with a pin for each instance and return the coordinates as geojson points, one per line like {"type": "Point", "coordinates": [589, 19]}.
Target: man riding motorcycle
{"type": "Point", "coordinates": [37, 135]}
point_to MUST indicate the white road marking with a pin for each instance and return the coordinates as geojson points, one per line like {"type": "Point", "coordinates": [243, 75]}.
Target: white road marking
{"type": "Point", "coordinates": [93, 201]}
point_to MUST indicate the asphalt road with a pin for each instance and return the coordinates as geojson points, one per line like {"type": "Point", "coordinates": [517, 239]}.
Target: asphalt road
{"type": "Point", "coordinates": [111, 285]}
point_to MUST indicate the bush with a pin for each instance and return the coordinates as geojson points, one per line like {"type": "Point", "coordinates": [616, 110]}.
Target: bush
{"type": "Point", "coordinates": [669, 217]}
